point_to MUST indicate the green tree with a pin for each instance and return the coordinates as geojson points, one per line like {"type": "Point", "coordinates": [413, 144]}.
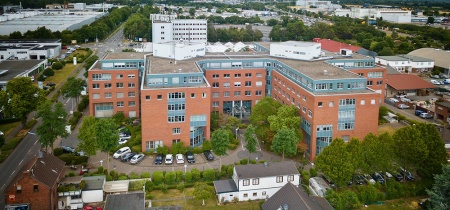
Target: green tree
{"type": "Point", "coordinates": [439, 194]}
{"type": "Point", "coordinates": [272, 22]}
{"type": "Point", "coordinates": [219, 143]}
{"type": "Point", "coordinates": [285, 142]}
{"type": "Point", "coordinates": [53, 123]}
{"type": "Point", "coordinates": [335, 162]}
{"type": "Point", "coordinates": [250, 139]}
{"type": "Point", "coordinates": [21, 98]}
{"type": "Point", "coordinates": [164, 150]}
{"type": "Point", "coordinates": [259, 118]}
{"type": "Point", "coordinates": [430, 20]}
{"type": "Point", "coordinates": [287, 116]}
{"type": "Point", "coordinates": [203, 191]}
{"type": "Point", "coordinates": [72, 88]}
{"type": "Point", "coordinates": [192, 12]}
{"type": "Point", "coordinates": [377, 152]}
{"type": "Point", "coordinates": [206, 145]}
{"type": "Point", "coordinates": [354, 148]}
{"type": "Point", "coordinates": [106, 135]}
{"type": "Point", "coordinates": [86, 136]}
{"type": "Point", "coordinates": [177, 148]}
{"type": "Point", "coordinates": [383, 111]}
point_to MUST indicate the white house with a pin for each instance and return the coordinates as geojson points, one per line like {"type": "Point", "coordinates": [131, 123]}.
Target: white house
{"type": "Point", "coordinates": [93, 190]}
{"type": "Point", "coordinates": [258, 181]}
{"type": "Point", "coordinates": [406, 62]}
{"type": "Point", "coordinates": [296, 50]}
{"type": "Point", "coordinates": [178, 50]}
{"type": "Point", "coordinates": [166, 28]}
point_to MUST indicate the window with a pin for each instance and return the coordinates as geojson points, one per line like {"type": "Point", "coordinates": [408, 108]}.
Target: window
{"type": "Point", "coordinates": [192, 95]}
{"type": "Point", "coordinates": [248, 93]}
{"type": "Point", "coordinates": [255, 181]}
{"type": "Point", "coordinates": [363, 102]}
{"type": "Point", "coordinates": [369, 83]}
{"type": "Point", "coordinates": [258, 74]}
{"type": "Point", "coordinates": [320, 104]}
{"type": "Point", "coordinates": [178, 118]}
{"type": "Point", "coordinates": [215, 104]}
{"type": "Point", "coordinates": [246, 182]}
{"type": "Point", "coordinates": [215, 94]}
{"type": "Point", "coordinates": [255, 194]}
{"type": "Point", "coordinates": [379, 82]}
{"type": "Point", "coordinates": [131, 76]}
{"type": "Point", "coordinates": [226, 76]}
{"type": "Point", "coordinates": [159, 97]}
{"type": "Point", "coordinates": [108, 85]}
{"type": "Point", "coordinates": [95, 86]}
{"type": "Point", "coordinates": [340, 85]}
{"type": "Point", "coordinates": [35, 187]}
{"type": "Point", "coordinates": [215, 85]}
{"type": "Point", "coordinates": [120, 104]}
{"type": "Point", "coordinates": [248, 74]}
{"type": "Point", "coordinates": [174, 141]}
{"type": "Point", "coordinates": [372, 101]}
{"type": "Point", "coordinates": [290, 178]}
{"type": "Point", "coordinates": [147, 98]}
{"type": "Point", "coordinates": [237, 84]}
{"type": "Point", "coordinates": [279, 179]}
{"type": "Point", "coordinates": [304, 98]}
{"type": "Point", "coordinates": [258, 84]}
{"type": "Point", "coordinates": [331, 104]}
{"type": "Point", "coordinates": [258, 93]}
{"type": "Point", "coordinates": [245, 195]}
{"type": "Point", "coordinates": [237, 75]}
{"type": "Point", "coordinates": [131, 94]}
{"type": "Point", "coordinates": [96, 96]}
{"type": "Point", "coordinates": [345, 102]}
{"type": "Point", "coordinates": [119, 76]}
{"type": "Point", "coordinates": [175, 107]}
{"type": "Point", "coordinates": [215, 76]}
{"type": "Point", "coordinates": [131, 85]}
{"type": "Point", "coordinates": [108, 95]}
{"type": "Point", "coordinates": [264, 193]}
{"type": "Point", "coordinates": [119, 95]}
{"type": "Point", "coordinates": [237, 93]}
{"type": "Point", "coordinates": [375, 75]}
{"type": "Point", "coordinates": [176, 130]}
{"type": "Point", "coordinates": [226, 84]}
{"type": "Point", "coordinates": [309, 113]}
{"type": "Point", "coordinates": [203, 95]}
{"type": "Point", "coordinates": [119, 85]}
{"type": "Point", "coordinates": [176, 95]}
{"type": "Point", "coordinates": [304, 109]}
{"type": "Point", "coordinates": [19, 188]}
{"type": "Point", "coordinates": [226, 94]}
{"type": "Point", "coordinates": [131, 103]}
{"type": "Point", "coordinates": [248, 83]}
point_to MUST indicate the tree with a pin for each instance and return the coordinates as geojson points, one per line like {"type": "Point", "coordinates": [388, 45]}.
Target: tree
{"type": "Point", "coordinates": [250, 139]}
{"type": "Point", "coordinates": [177, 148]}
{"type": "Point", "coordinates": [72, 88]}
{"type": "Point", "coordinates": [285, 142]}
{"type": "Point", "coordinates": [430, 20]}
{"type": "Point", "coordinates": [87, 135]}
{"type": "Point", "coordinates": [219, 143]}
{"type": "Point", "coordinates": [259, 117]}
{"type": "Point", "coordinates": [377, 152]}
{"type": "Point", "coordinates": [192, 12]}
{"type": "Point", "coordinates": [106, 135]}
{"type": "Point", "coordinates": [287, 116]}
{"type": "Point", "coordinates": [335, 162]}
{"type": "Point", "coordinates": [206, 145]}
{"type": "Point", "coordinates": [203, 191]}
{"type": "Point", "coordinates": [439, 194]}
{"type": "Point", "coordinates": [21, 98]}
{"type": "Point", "coordinates": [53, 123]}
{"type": "Point", "coordinates": [383, 111]}
{"type": "Point", "coordinates": [164, 150]}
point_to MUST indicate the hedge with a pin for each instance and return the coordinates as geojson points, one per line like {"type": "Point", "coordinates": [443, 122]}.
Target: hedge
{"type": "Point", "coordinates": [11, 144]}
{"type": "Point", "coordinates": [30, 123]}
{"type": "Point", "coordinates": [68, 158]}
{"type": "Point", "coordinates": [9, 120]}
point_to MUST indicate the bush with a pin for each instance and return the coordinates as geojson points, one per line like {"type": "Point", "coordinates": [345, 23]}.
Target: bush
{"type": "Point", "coordinates": [188, 177]}
{"type": "Point", "coordinates": [114, 175]}
{"type": "Point", "coordinates": [145, 175]}
{"type": "Point", "coordinates": [164, 188]}
{"type": "Point", "coordinates": [369, 194]}
{"type": "Point", "coordinates": [70, 158]}
{"type": "Point", "coordinates": [30, 123]}
{"type": "Point", "coordinates": [136, 185]}
{"type": "Point", "coordinates": [244, 161]}
{"type": "Point", "coordinates": [11, 144]}
{"type": "Point", "coordinates": [305, 177]}
{"type": "Point", "coordinates": [195, 174]}
{"type": "Point", "coordinates": [57, 152]}
{"type": "Point", "coordinates": [197, 150]}
{"type": "Point", "coordinates": [209, 175]}
{"type": "Point", "coordinates": [230, 170]}
{"type": "Point", "coordinates": [71, 174]}
{"type": "Point", "coordinates": [149, 186]}
{"type": "Point", "coordinates": [41, 78]}
{"type": "Point", "coordinates": [181, 186]}
{"type": "Point", "coordinates": [179, 176]}
{"type": "Point", "coordinates": [206, 145]}
{"type": "Point", "coordinates": [48, 72]}
{"type": "Point", "coordinates": [313, 172]}
{"type": "Point", "coordinates": [232, 146]}
{"type": "Point", "coordinates": [77, 114]}
{"type": "Point", "coordinates": [170, 177]}
{"type": "Point", "coordinates": [158, 177]}
{"type": "Point", "coordinates": [394, 190]}
{"type": "Point", "coordinates": [134, 175]}
{"type": "Point", "coordinates": [109, 178]}
{"type": "Point", "coordinates": [123, 177]}
{"type": "Point", "coordinates": [253, 161]}
{"type": "Point", "coordinates": [100, 170]}
{"type": "Point", "coordinates": [57, 65]}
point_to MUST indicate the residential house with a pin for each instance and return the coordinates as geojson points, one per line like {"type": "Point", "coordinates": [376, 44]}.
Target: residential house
{"type": "Point", "coordinates": [35, 186]}
{"type": "Point", "coordinates": [407, 84]}
{"type": "Point", "coordinates": [69, 193]}
{"type": "Point", "coordinates": [256, 181]}
{"type": "Point", "coordinates": [93, 189]}
{"type": "Point", "coordinates": [128, 201]}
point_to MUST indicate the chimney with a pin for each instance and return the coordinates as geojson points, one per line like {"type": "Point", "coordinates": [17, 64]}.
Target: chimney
{"type": "Point", "coordinates": [40, 154]}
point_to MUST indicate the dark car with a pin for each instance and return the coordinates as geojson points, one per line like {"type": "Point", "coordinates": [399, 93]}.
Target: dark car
{"type": "Point", "coordinates": [190, 157]}
{"type": "Point", "coordinates": [67, 149]}
{"type": "Point", "coordinates": [407, 174]}
{"type": "Point", "coordinates": [208, 155]}
{"type": "Point", "coordinates": [126, 157]}
{"type": "Point", "coordinates": [377, 177]}
{"type": "Point", "coordinates": [51, 84]}
{"type": "Point", "coordinates": [328, 180]}
{"type": "Point", "coordinates": [358, 179]}
{"type": "Point", "coordinates": [398, 177]}
{"type": "Point", "coordinates": [159, 159]}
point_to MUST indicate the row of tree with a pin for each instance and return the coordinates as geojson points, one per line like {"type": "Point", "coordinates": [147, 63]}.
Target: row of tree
{"type": "Point", "coordinates": [418, 147]}
{"type": "Point", "coordinates": [233, 34]}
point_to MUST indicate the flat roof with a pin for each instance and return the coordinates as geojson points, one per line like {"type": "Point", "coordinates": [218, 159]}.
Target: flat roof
{"type": "Point", "coordinates": [393, 58]}
{"type": "Point", "coordinates": [16, 67]}
{"type": "Point", "coordinates": [31, 41]}
{"type": "Point", "coordinates": [165, 65]}
{"type": "Point", "coordinates": [124, 56]}
{"type": "Point", "coordinates": [296, 43]}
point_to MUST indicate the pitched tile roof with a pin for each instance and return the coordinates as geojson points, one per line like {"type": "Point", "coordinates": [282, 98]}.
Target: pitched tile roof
{"type": "Point", "coordinates": [223, 186]}
{"type": "Point", "coordinates": [261, 170]}
{"type": "Point", "coordinates": [294, 197]}
{"type": "Point", "coordinates": [335, 46]}
{"type": "Point", "coordinates": [48, 169]}
{"type": "Point", "coordinates": [407, 82]}
{"type": "Point", "coordinates": [128, 201]}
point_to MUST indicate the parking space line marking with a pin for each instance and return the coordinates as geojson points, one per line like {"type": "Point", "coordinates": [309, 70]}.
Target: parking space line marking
{"type": "Point", "coordinates": [209, 165]}
{"type": "Point", "coordinates": [20, 162]}
{"type": "Point", "coordinates": [131, 169]}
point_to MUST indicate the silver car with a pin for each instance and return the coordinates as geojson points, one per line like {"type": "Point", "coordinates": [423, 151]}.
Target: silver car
{"type": "Point", "coordinates": [137, 158]}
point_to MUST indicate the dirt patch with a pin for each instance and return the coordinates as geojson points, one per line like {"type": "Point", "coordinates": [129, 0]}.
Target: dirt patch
{"type": "Point", "coordinates": [390, 127]}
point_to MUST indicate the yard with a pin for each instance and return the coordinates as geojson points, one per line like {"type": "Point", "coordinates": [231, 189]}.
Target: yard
{"type": "Point", "coordinates": [398, 204]}
{"type": "Point", "coordinates": [7, 128]}
{"type": "Point", "coordinates": [62, 74]}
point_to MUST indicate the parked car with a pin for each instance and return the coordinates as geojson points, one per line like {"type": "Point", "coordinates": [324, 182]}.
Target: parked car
{"type": "Point", "coordinates": [121, 151]}
{"type": "Point", "coordinates": [418, 112]}
{"type": "Point", "coordinates": [398, 177]}
{"type": "Point", "coordinates": [368, 179]}
{"type": "Point", "coordinates": [377, 177]}
{"type": "Point", "coordinates": [328, 180]}
{"type": "Point", "coordinates": [127, 156]}
{"type": "Point", "coordinates": [403, 106]}
{"type": "Point", "coordinates": [80, 153]}
{"type": "Point", "coordinates": [169, 159]}
{"type": "Point", "coordinates": [180, 158]}
{"type": "Point", "coordinates": [358, 179]}
{"type": "Point", "coordinates": [51, 84]}
{"type": "Point", "coordinates": [158, 159]}
{"type": "Point", "coordinates": [68, 149]}
{"type": "Point", "coordinates": [388, 175]}
{"type": "Point", "coordinates": [122, 141]}
{"type": "Point", "coordinates": [407, 174]}
{"type": "Point", "coordinates": [426, 116]}
{"type": "Point", "coordinates": [137, 158]}
{"type": "Point", "coordinates": [190, 157]}
{"type": "Point", "coordinates": [208, 155]}
{"type": "Point", "coordinates": [435, 82]}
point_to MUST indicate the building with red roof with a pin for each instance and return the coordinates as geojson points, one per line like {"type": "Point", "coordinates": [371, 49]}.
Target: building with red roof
{"type": "Point", "coordinates": [408, 84]}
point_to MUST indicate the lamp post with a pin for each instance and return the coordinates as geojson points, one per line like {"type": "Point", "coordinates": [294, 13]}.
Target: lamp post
{"type": "Point", "coordinates": [237, 130]}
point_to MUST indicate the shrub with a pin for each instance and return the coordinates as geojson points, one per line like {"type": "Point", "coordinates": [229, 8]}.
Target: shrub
{"type": "Point", "coordinates": [253, 161]}
{"type": "Point", "coordinates": [30, 123]}
{"type": "Point", "coordinates": [122, 177]}
{"type": "Point", "coordinates": [244, 161]}
{"type": "Point", "coordinates": [170, 177]}
{"type": "Point", "coordinates": [77, 114]}
{"type": "Point", "coordinates": [164, 188]}
{"type": "Point", "coordinates": [48, 72]}
{"type": "Point", "coordinates": [181, 186]}
{"type": "Point", "coordinates": [394, 190]}
{"type": "Point", "coordinates": [313, 172]}
{"type": "Point", "coordinates": [230, 171]}
{"type": "Point", "coordinates": [136, 185]}
{"type": "Point", "coordinates": [145, 175]}
{"type": "Point", "coordinates": [57, 151]}
{"type": "Point", "coordinates": [158, 177]}
{"type": "Point", "coordinates": [232, 146]}
{"type": "Point", "coordinates": [206, 145]}
{"type": "Point", "coordinates": [149, 186]}
{"type": "Point", "coordinates": [195, 174]}
{"type": "Point", "coordinates": [57, 65]}
{"type": "Point", "coordinates": [209, 175]}
{"type": "Point", "coordinates": [134, 175]}
{"type": "Point", "coordinates": [100, 170]}
{"type": "Point", "coordinates": [197, 150]}
{"type": "Point", "coordinates": [188, 177]}
{"type": "Point", "coordinates": [305, 177]}
{"type": "Point", "coordinates": [369, 194]}
{"type": "Point", "coordinates": [41, 78]}
{"type": "Point", "coordinates": [114, 175]}
{"type": "Point", "coordinates": [179, 176]}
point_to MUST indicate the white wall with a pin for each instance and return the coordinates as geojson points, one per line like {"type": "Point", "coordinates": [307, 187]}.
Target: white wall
{"type": "Point", "coordinates": [162, 32]}
{"type": "Point", "coordinates": [178, 51]}
{"type": "Point", "coordinates": [295, 52]}
{"type": "Point", "coordinates": [92, 196]}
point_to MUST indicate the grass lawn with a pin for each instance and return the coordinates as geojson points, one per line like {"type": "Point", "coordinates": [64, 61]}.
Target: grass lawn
{"type": "Point", "coordinates": [389, 127]}
{"type": "Point", "coordinates": [194, 203]}
{"type": "Point", "coordinates": [7, 128]}
{"type": "Point", "coordinates": [62, 74]}
{"type": "Point", "coordinates": [398, 204]}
